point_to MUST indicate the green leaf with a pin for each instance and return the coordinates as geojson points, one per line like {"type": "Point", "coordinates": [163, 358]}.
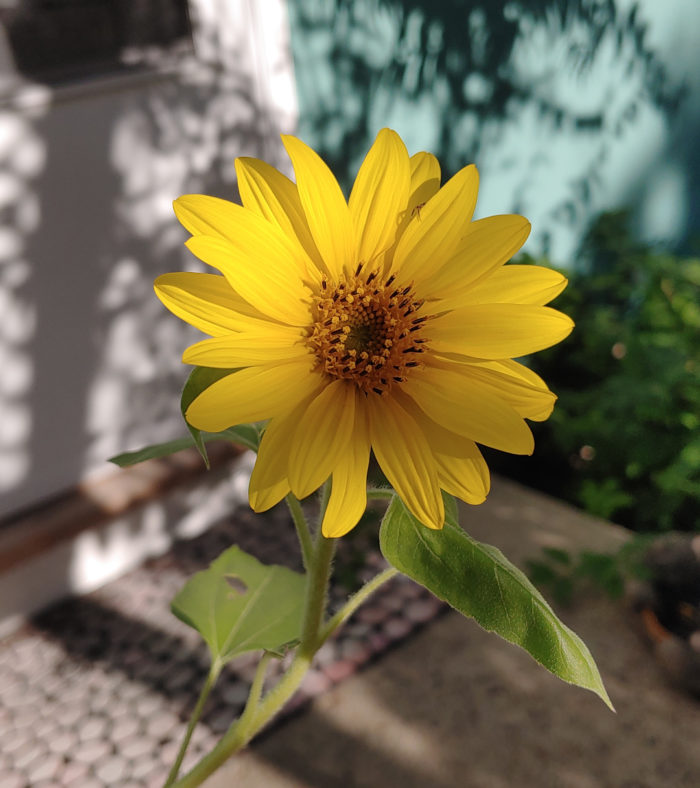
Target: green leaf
{"type": "Point", "coordinates": [200, 378]}
{"type": "Point", "coordinates": [240, 605]}
{"type": "Point", "coordinates": [245, 434]}
{"type": "Point", "coordinates": [152, 452]}
{"type": "Point", "coordinates": [479, 582]}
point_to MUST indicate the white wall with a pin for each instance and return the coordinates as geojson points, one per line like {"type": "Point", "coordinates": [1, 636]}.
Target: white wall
{"type": "Point", "coordinates": [89, 359]}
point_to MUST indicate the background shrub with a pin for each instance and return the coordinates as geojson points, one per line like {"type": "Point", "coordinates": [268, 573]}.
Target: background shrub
{"type": "Point", "coordinates": [628, 417]}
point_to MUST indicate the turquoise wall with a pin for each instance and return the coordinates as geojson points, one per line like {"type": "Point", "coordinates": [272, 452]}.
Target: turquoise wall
{"type": "Point", "coordinates": [568, 107]}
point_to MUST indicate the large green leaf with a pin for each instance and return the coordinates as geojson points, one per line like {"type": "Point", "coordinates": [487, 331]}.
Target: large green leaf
{"type": "Point", "coordinates": [479, 582]}
{"type": "Point", "coordinates": [240, 605]}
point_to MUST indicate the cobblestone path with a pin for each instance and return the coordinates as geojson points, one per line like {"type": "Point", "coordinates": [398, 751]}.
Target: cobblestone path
{"type": "Point", "coordinates": [97, 690]}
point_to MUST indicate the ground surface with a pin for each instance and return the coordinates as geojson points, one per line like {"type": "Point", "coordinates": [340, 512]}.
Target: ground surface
{"type": "Point", "coordinates": [95, 692]}
{"type": "Point", "coordinates": [455, 707]}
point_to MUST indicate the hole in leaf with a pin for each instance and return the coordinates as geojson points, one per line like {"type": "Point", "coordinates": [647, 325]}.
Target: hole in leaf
{"type": "Point", "coordinates": [236, 584]}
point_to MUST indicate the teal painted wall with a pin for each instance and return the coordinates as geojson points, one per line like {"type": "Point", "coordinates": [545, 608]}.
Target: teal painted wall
{"type": "Point", "coordinates": [568, 107]}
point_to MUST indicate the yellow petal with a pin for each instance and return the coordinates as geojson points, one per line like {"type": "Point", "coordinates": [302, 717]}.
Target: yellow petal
{"type": "Point", "coordinates": [253, 394]}
{"type": "Point", "coordinates": [205, 215]}
{"type": "Point", "coordinates": [425, 178]}
{"type": "Point", "coordinates": [247, 348]}
{"type": "Point", "coordinates": [269, 482]}
{"type": "Point", "coordinates": [271, 194]}
{"type": "Point", "coordinates": [405, 457]}
{"type": "Point", "coordinates": [430, 239]}
{"type": "Point", "coordinates": [327, 213]}
{"type": "Point", "coordinates": [528, 399]}
{"type": "Point", "coordinates": [265, 498]}
{"type": "Point", "coordinates": [466, 477]}
{"type": "Point", "coordinates": [522, 371]}
{"type": "Point", "coordinates": [540, 400]}
{"type": "Point", "coordinates": [441, 440]}
{"type": "Point", "coordinates": [201, 214]}
{"type": "Point", "coordinates": [495, 331]}
{"type": "Point", "coordinates": [258, 269]}
{"type": "Point", "coordinates": [486, 245]}
{"type": "Point", "coordinates": [515, 284]}
{"type": "Point", "coordinates": [348, 498]}
{"type": "Point", "coordinates": [533, 379]}
{"type": "Point", "coordinates": [322, 435]}
{"type": "Point", "coordinates": [465, 406]}
{"type": "Point", "coordinates": [425, 182]}
{"type": "Point", "coordinates": [206, 301]}
{"type": "Point", "coordinates": [462, 470]}
{"type": "Point", "coordinates": [379, 195]}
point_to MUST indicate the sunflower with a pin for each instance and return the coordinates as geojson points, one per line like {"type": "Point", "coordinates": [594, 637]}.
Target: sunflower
{"type": "Point", "coordinates": [385, 323]}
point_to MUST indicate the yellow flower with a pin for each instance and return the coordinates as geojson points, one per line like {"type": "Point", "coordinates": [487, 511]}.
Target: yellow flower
{"type": "Point", "coordinates": [386, 322]}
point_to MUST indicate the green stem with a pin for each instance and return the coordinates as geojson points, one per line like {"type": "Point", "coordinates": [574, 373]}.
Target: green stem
{"type": "Point", "coordinates": [280, 693]}
{"type": "Point", "coordinates": [379, 493]}
{"type": "Point", "coordinates": [354, 602]}
{"type": "Point", "coordinates": [257, 715]}
{"type": "Point", "coordinates": [303, 533]}
{"type": "Point", "coordinates": [256, 687]}
{"type": "Point", "coordinates": [325, 496]}
{"type": "Point", "coordinates": [316, 594]}
{"type": "Point", "coordinates": [237, 735]}
{"type": "Point", "coordinates": [194, 719]}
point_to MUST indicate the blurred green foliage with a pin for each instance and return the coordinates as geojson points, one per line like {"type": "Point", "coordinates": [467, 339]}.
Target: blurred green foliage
{"type": "Point", "coordinates": [562, 574]}
{"type": "Point", "coordinates": [624, 439]}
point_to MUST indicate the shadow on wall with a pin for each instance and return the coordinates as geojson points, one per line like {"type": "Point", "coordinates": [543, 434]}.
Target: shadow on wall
{"type": "Point", "coordinates": [565, 105]}
{"type": "Point", "coordinates": [88, 173]}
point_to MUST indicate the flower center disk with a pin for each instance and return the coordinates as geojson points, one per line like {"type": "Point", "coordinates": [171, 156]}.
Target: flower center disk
{"type": "Point", "coordinates": [367, 331]}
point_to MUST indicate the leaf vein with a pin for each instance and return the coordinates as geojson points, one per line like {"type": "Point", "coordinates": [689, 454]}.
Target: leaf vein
{"type": "Point", "coordinates": [503, 599]}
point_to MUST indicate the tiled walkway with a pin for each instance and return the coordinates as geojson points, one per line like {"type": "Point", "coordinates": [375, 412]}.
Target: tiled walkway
{"type": "Point", "coordinates": [97, 691]}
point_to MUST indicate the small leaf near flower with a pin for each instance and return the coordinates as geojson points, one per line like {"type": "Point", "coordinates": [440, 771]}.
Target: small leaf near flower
{"type": "Point", "coordinates": [244, 434]}
{"type": "Point", "coordinates": [477, 580]}
{"type": "Point", "coordinates": [240, 605]}
{"type": "Point", "coordinates": [200, 378]}
{"type": "Point", "coordinates": [152, 452]}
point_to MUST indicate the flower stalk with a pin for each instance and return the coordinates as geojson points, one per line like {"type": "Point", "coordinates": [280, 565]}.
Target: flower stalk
{"type": "Point", "coordinates": [194, 719]}
{"type": "Point", "coordinates": [355, 601]}
{"type": "Point", "coordinates": [260, 710]}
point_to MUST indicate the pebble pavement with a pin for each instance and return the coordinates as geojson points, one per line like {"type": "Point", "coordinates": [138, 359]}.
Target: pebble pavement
{"type": "Point", "coordinates": [97, 690]}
